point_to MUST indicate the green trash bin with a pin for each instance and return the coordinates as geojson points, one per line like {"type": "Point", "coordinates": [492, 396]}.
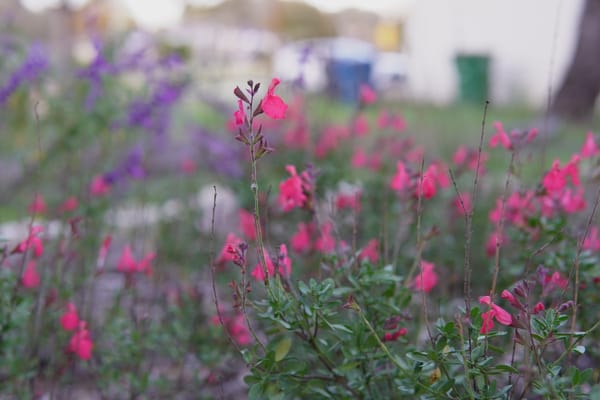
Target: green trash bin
{"type": "Point", "coordinates": [473, 76]}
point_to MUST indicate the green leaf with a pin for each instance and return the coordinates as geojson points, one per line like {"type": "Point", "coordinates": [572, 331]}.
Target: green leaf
{"type": "Point", "coordinates": [579, 349]}
{"type": "Point", "coordinates": [282, 348]}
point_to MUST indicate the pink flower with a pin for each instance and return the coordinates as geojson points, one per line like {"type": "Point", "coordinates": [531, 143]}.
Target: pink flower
{"type": "Point", "coordinates": [369, 252]}
{"type": "Point", "coordinates": [383, 119]}
{"type": "Point", "coordinates": [292, 191]}
{"type": "Point", "coordinates": [273, 105]}
{"type": "Point", "coordinates": [81, 343]}
{"type": "Point", "coordinates": [359, 159]}
{"type": "Point", "coordinates": [301, 240]}
{"type": "Point", "coordinates": [573, 202]}
{"type": "Point", "coordinates": [361, 125]}
{"type": "Point", "coordinates": [128, 265]}
{"type": "Point", "coordinates": [187, 166]}
{"type": "Point", "coordinates": [426, 186]}
{"type": "Point", "coordinates": [258, 272]}
{"type": "Point", "coordinates": [460, 155]}
{"type": "Point", "coordinates": [32, 241]}
{"type": "Point", "coordinates": [231, 242]}
{"type": "Point", "coordinates": [427, 278]}
{"type": "Point", "coordinates": [239, 115]}
{"type": "Point", "coordinates": [38, 205]}
{"type": "Point", "coordinates": [284, 261]}
{"type": "Point", "coordinates": [351, 201]}
{"type": "Point", "coordinates": [554, 181]}
{"type": "Point", "coordinates": [490, 247]}
{"type": "Point", "coordinates": [99, 186]}
{"type": "Point", "coordinates": [496, 312]}
{"type": "Point", "coordinates": [247, 224]}
{"type": "Point", "coordinates": [69, 205]}
{"type": "Point", "coordinates": [506, 295]}
{"type": "Point", "coordinates": [556, 280]}
{"type": "Point", "coordinates": [239, 331]}
{"type": "Point", "coordinates": [464, 207]}
{"type": "Point", "coordinates": [367, 94]}
{"type": "Point", "coordinates": [538, 308]}
{"type": "Point", "coordinates": [103, 252]}
{"type": "Point", "coordinates": [30, 278]}
{"type": "Point", "coordinates": [500, 137]}
{"type": "Point", "coordinates": [592, 240]}
{"type": "Point", "coordinates": [325, 243]}
{"type": "Point", "coordinates": [589, 148]}
{"type": "Point", "coordinates": [70, 320]}
{"type": "Point", "coordinates": [402, 179]}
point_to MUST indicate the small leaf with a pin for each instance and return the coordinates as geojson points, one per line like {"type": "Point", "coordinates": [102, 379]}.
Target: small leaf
{"type": "Point", "coordinates": [282, 348]}
{"type": "Point", "coordinates": [579, 349]}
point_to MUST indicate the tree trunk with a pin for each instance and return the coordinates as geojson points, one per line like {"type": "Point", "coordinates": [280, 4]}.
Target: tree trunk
{"type": "Point", "coordinates": [576, 98]}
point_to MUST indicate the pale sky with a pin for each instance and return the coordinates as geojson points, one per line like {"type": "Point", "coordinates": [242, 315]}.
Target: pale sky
{"type": "Point", "coordinates": [154, 14]}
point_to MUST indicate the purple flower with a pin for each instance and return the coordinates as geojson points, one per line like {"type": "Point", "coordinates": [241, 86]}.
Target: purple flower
{"type": "Point", "coordinates": [35, 63]}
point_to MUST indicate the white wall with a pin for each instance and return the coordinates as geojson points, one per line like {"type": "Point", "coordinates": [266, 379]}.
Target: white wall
{"type": "Point", "coordinates": [520, 36]}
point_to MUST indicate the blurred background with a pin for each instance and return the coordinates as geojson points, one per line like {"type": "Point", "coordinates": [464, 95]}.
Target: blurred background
{"type": "Point", "coordinates": [430, 50]}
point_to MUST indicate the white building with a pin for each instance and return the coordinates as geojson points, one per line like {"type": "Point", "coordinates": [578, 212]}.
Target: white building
{"type": "Point", "coordinates": [530, 44]}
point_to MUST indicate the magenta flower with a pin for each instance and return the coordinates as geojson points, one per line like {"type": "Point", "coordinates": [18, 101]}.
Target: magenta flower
{"type": "Point", "coordinates": [238, 115]}
{"type": "Point", "coordinates": [81, 343]}
{"type": "Point", "coordinates": [70, 320]}
{"type": "Point", "coordinates": [500, 137]}
{"type": "Point", "coordinates": [495, 312]}
{"type": "Point", "coordinates": [589, 148]}
{"type": "Point", "coordinates": [401, 179]}
{"type": "Point", "coordinates": [325, 243]}
{"type": "Point", "coordinates": [292, 190]}
{"type": "Point", "coordinates": [30, 278]}
{"type": "Point", "coordinates": [427, 279]}
{"type": "Point", "coordinates": [370, 252]}
{"type": "Point", "coordinates": [258, 272]}
{"type": "Point", "coordinates": [301, 241]}
{"type": "Point", "coordinates": [367, 94]}
{"type": "Point", "coordinates": [272, 104]}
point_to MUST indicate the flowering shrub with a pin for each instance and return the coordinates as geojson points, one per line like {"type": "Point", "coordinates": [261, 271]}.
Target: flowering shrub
{"type": "Point", "coordinates": [353, 262]}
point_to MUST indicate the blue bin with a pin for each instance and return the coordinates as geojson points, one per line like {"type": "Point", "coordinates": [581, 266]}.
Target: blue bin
{"type": "Point", "coordinates": [345, 78]}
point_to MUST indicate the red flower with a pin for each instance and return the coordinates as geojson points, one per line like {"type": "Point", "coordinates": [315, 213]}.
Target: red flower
{"type": "Point", "coordinates": [427, 279]}
{"type": "Point", "coordinates": [70, 320]}
{"type": "Point", "coordinates": [273, 105]}
{"type": "Point", "coordinates": [30, 278]}
{"type": "Point", "coordinates": [496, 312]}
{"type": "Point", "coordinates": [538, 308]}
{"type": "Point", "coordinates": [80, 342]}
